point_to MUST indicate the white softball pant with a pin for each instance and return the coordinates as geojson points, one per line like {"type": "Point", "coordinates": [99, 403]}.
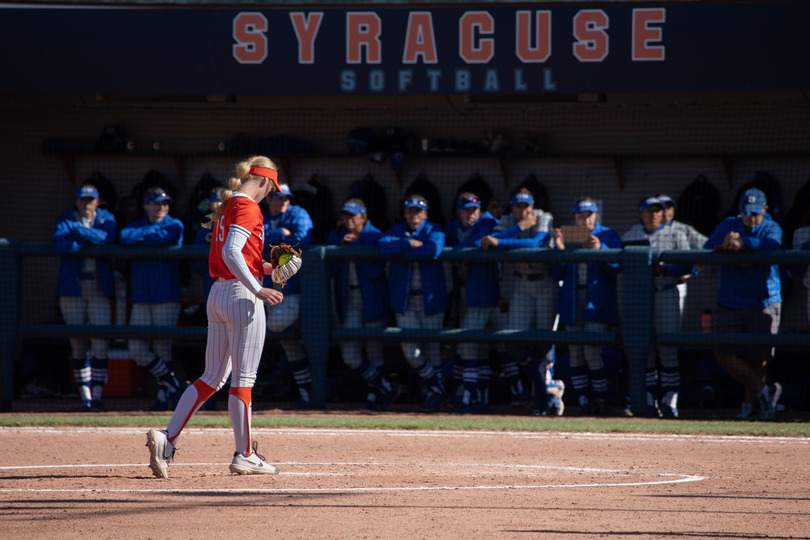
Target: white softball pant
{"type": "Point", "coordinates": [281, 317]}
{"type": "Point", "coordinates": [473, 318]}
{"type": "Point", "coordinates": [352, 351]}
{"type": "Point", "coordinates": [533, 303]}
{"type": "Point", "coordinates": [580, 354]}
{"type": "Point", "coordinates": [164, 314]}
{"type": "Point", "coordinates": [92, 307]}
{"type": "Point", "coordinates": [667, 318]}
{"type": "Point", "coordinates": [415, 317]}
{"type": "Point", "coordinates": [236, 332]}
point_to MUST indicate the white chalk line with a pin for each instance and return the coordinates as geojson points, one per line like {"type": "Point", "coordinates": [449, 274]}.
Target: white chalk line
{"type": "Point", "coordinates": [476, 468]}
{"type": "Point", "coordinates": [350, 489]}
{"type": "Point", "coordinates": [332, 432]}
{"type": "Point", "coordinates": [668, 478]}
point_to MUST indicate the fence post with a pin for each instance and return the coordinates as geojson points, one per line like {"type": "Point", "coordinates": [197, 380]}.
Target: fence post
{"type": "Point", "coordinates": [637, 315]}
{"type": "Point", "coordinates": [10, 284]}
{"type": "Point", "coordinates": [315, 327]}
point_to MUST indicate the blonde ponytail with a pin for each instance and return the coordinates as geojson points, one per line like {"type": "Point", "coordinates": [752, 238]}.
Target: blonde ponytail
{"type": "Point", "coordinates": [235, 183]}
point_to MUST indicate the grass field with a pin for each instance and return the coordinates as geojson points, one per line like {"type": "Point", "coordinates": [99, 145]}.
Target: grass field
{"type": "Point", "coordinates": [426, 422]}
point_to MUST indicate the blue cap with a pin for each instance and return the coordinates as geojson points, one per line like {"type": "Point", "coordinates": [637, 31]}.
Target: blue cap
{"type": "Point", "coordinates": [157, 195]}
{"type": "Point", "coordinates": [650, 201]}
{"type": "Point", "coordinates": [216, 196]}
{"type": "Point", "coordinates": [752, 202]}
{"type": "Point", "coordinates": [585, 206]}
{"type": "Point", "coordinates": [468, 202]}
{"type": "Point", "coordinates": [285, 191]}
{"type": "Point", "coordinates": [666, 200]}
{"type": "Point", "coordinates": [86, 191]}
{"type": "Point", "coordinates": [353, 208]}
{"type": "Point", "coordinates": [415, 202]}
{"type": "Point", "coordinates": [522, 197]}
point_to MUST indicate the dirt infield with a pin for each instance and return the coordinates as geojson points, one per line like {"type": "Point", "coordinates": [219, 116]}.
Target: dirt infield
{"type": "Point", "coordinates": [95, 483]}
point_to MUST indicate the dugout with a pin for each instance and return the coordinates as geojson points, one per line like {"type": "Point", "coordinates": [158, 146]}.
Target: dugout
{"type": "Point", "coordinates": [614, 100]}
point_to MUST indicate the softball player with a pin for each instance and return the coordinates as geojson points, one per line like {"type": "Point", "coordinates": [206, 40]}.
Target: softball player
{"type": "Point", "coordinates": [479, 294]}
{"type": "Point", "coordinates": [588, 301]}
{"type": "Point", "coordinates": [85, 287]}
{"type": "Point", "coordinates": [533, 301]}
{"type": "Point", "coordinates": [509, 369]}
{"type": "Point", "coordinates": [236, 320]}
{"type": "Point", "coordinates": [694, 238]}
{"type": "Point", "coordinates": [361, 300]}
{"type": "Point", "coordinates": [289, 224]}
{"type": "Point", "coordinates": [667, 311]}
{"type": "Point", "coordinates": [418, 290]}
{"type": "Point", "coordinates": [156, 291]}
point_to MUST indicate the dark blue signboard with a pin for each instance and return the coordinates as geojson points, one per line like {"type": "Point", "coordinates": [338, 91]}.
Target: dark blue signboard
{"type": "Point", "coordinates": [475, 49]}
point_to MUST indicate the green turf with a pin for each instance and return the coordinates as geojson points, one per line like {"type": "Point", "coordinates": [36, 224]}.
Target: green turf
{"type": "Point", "coordinates": [506, 423]}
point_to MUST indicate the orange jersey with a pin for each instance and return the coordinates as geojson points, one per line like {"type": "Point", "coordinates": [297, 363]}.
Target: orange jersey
{"type": "Point", "coordinates": [242, 212]}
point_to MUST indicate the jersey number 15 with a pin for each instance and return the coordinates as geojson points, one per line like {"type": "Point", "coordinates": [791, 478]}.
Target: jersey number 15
{"type": "Point", "coordinates": [220, 230]}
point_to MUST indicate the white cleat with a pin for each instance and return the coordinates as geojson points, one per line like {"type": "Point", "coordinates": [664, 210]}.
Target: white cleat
{"type": "Point", "coordinates": [161, 451]}
{"type": "Point", "coordinates": [253, 464]}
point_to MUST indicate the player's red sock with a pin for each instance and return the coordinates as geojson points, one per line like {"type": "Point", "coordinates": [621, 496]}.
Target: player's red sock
{"type": "Point", "coordinates": [190, 402]}
{"type": "Point", "coordinates": [239, 407]}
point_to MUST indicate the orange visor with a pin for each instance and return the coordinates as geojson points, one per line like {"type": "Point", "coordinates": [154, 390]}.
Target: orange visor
{"type": "Point", "coordinates": [267, 173]}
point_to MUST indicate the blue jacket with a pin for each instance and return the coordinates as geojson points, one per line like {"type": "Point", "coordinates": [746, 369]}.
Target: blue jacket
{"type": "Point", "coordinates": [749, 287]}
{"type": "Point", "coordinates": [299, 223]}
{"type": "Point", "coordinates": [510, 239]}
{"type": "Point", "coordinates": [370, 276]}
{"type": "Point", "coordinates": [70, 236]}
{"type": "Point", "coordinates": [154, 281]}
{"type": "Point", "coordinates": [482, 278]}
{"type": "Point", "coordinates": [510, 236]}
{"type": "Point", "coordinates": [600, 292]}
{"type": "Point", "coordinates": [434, 290]}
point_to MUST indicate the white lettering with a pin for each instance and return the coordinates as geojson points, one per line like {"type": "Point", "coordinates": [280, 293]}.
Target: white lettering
{"type": "Point", "coordinates": [348, 82]}
{"type": "Point", "coordinates": [433, 76]}
{"type": "Point", "coordinates": [520, 84]}
{"type": "Point", "coordinates": [462, 80]}
{"type": "Point", "coordinates": [491, 83]}
{"type": "Point", "coordinates": [376, 80]}
{"type": "Point", "coordinates": [404, 79]}
{"type": "Point", "coordinates": [548, 83]}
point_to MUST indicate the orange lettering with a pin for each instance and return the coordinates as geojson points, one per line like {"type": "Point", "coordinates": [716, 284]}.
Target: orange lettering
{"type": "Point", "coordinates": [363, 32]}
{"type": "Point", "coordinates": [472, 49]}
{"type": "Point", "coordinates": [541, 50]}
{"type": "Point", "coordinates": [306, 29]}
{"type": "Point", "coordinates": [251, 43]}
{"type": "Point", "coordinates": [592, 40]}
{"type": "Point", "coordinates": [419, 39]}
{"type": "Point", "coordinates": [643, 34]}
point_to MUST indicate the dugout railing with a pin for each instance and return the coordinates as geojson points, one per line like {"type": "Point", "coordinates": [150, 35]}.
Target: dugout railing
{"type": "Point", "coordinates": [635, 334]}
